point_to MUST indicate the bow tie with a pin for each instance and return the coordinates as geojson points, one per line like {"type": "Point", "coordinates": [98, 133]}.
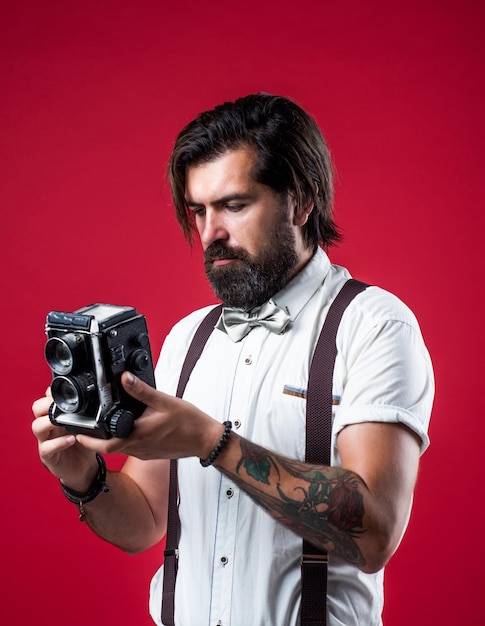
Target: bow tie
{"type": "Point", "coordinates": [237, 324]}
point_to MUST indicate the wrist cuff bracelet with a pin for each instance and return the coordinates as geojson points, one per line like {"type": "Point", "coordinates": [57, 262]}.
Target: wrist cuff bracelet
{"type": "Point", "coordinates": [98, 485]}
{"type": "Point", "coordinates": [222, 442]}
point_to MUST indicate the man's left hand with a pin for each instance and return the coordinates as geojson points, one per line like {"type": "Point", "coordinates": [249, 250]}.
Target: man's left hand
{"type": "Point", "coordinates": [169, 428]}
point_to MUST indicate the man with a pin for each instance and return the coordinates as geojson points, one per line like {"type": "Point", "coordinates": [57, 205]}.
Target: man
{"type": "Point", "coordinates": [253, 179]}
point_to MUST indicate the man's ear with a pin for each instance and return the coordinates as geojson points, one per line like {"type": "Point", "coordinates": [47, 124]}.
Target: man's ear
{"type": "Point", "coordinates": [301, 213]}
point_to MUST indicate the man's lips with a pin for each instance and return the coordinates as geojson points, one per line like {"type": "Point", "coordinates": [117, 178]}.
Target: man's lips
{"type": "Point", "coordinates": [219, 262]}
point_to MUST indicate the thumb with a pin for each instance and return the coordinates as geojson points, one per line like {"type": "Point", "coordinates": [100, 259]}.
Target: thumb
{"type": "Point", "coordinates": [139, 389]}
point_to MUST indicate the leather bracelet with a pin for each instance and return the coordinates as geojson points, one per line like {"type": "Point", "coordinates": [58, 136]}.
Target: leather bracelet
{"type": "Point", "coordinates": [98, 485]}
{"type": "Point", "coordinates": [222, 442]}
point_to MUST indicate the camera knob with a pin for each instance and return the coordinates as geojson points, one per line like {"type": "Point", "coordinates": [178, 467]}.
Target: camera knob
{"type": "Point", "coordinates": [142, 340]}
{"type": "Point", "coordinates": [121, 423]}
{"type": "Point", "coordinates": [139, 360]}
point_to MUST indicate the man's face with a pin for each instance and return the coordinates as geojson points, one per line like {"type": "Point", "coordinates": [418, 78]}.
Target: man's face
{"type": "Point", "coordinates": [251, 244]}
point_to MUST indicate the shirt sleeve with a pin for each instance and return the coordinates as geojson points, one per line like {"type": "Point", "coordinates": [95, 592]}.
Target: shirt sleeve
{"type": "Point", "coordinates": [383, 371]}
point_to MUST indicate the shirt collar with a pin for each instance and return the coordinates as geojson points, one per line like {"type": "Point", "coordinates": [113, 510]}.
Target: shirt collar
{"type": "Point", "coordinates": [299, 291]}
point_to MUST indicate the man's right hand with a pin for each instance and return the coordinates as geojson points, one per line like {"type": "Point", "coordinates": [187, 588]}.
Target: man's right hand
{"type": "Point", "coordinates": [73, 464]}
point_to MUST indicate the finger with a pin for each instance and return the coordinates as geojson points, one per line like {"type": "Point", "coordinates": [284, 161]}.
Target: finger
{"type": "Point", "coordinates": [43, 429]}
{"type": "Point", "coordinates": [41, 407]}
{"type": "Point", "coordinates": [140, 390]}
{"type": "Point", "coordinates": [104, 446]}
{"type": "Point", "coordinates": [50, 447]}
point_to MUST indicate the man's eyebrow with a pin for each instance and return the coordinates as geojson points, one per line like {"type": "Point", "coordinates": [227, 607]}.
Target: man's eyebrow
{"type": "Point", "coordinates": [229, 198]}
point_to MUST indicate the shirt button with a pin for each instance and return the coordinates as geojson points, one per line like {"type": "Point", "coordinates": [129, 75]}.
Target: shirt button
{"type": "Point", "coordinates": [224, 560]}
{"type": "Point", "coordinates": [229, 493]}
{"type": "Point", "coordinates": [237, 424]}
{"type": "Point", "coordinates": [248, 360]}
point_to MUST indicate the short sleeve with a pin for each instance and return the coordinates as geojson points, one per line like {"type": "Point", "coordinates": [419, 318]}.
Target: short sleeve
{"type": "Point", "coordinates": [383, 371]}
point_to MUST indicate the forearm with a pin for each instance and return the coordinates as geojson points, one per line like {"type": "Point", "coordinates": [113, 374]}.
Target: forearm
{"type": "Point", "coordinates": [324, 505]}
{"type": "Point", "coordinates": [357, 511]}
{"type": "Point", "coordinates": [122, 516]}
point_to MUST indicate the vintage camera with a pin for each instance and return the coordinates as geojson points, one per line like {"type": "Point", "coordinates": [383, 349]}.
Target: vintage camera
{"type": "Point", "coordinates": [87, 351]}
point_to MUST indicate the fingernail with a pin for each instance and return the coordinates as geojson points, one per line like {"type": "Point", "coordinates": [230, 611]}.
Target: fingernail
{"type": "Point", "coordinates": [130, 379]}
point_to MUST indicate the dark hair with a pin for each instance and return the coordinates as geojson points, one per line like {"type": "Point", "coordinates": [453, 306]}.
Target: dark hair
{"type": "Point", "coordinates": [292, 156]}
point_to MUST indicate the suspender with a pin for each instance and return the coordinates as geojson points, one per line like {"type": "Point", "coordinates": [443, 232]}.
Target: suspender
{"type": "Point", "coordinates": [201, 336]}
{"type": "Point", "coordinates": [314, 562]}
{"type": "Point", "coordinates": [318, 450]}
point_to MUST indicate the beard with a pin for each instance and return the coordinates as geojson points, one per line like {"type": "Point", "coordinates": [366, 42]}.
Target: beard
{"type": "Point", "coordinates": [252, 280]}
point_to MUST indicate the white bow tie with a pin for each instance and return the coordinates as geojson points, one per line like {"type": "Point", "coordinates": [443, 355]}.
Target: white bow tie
{"type": "Point", "coordinates": [237, 324]}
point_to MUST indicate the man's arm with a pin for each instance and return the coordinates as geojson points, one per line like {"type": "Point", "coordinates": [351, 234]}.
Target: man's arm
{"type": "Point", "coordinates": [358, 511]}
{"type": "Point", "coordinates": [132, 515]}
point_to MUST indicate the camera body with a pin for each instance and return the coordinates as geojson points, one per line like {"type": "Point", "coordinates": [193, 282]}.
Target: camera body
{"type": "Point", "coordinates": [87, 351]}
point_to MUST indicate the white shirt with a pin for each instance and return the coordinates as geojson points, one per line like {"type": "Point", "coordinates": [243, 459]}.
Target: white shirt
{"type": "Point", "coordinates": [238, 566]}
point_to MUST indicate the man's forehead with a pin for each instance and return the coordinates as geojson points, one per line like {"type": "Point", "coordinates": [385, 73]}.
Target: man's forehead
{"type": "Point", "coordinates": [232, 170]}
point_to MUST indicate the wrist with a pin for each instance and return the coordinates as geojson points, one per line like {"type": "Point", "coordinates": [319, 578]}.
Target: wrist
{"type": "Point", "coordinates": [209, 460]}
{"type": "Point", "coordinates": [84, 476]}
{"type": "Point", "coordinates": [212, 434]}
{"type": "Point", "coordinates": [97, 485]}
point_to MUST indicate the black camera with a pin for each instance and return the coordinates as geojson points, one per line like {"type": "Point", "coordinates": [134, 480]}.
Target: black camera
{"type": "Point", "coordinates": [87, 351]}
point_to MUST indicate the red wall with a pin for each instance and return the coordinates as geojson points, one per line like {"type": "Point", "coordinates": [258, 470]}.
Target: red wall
{"type": "Point", "coordinates": [92, 95]}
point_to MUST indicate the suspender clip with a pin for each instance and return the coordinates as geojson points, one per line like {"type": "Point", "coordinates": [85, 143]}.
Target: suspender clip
{"type": "Point", "coordinates": [314, 559]}
{"type": "Point", "coordinates": [174, 553]}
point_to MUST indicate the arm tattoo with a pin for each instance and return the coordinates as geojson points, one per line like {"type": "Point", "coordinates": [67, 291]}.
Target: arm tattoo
{"type": "Point", "coordinates": [325, 507]}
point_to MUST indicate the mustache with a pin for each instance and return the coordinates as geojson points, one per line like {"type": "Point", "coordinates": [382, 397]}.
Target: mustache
{"type": "Point", "coordinates": [219, 250]}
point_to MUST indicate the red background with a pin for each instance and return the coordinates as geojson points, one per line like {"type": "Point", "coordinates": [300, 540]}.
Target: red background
{"type": "Point", "coordinates": [92, 96]}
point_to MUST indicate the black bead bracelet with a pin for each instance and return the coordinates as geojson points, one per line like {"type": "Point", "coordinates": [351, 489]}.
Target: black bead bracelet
{"type": "Point", "coordinates": [222, 442]}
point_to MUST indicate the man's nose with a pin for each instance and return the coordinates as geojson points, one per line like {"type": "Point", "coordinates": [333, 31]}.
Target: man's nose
{"type": "Point", "coordinates": [213, 228]}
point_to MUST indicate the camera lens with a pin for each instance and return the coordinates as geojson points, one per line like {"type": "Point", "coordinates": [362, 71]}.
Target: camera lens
{"type": "Point", "coordinates": [73, 395]}
{"type": "Point", "coordinates": [60, 353]}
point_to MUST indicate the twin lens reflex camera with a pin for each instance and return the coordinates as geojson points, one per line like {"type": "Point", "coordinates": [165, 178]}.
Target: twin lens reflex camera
{"type": "Point", "coordinates": [87, 351]}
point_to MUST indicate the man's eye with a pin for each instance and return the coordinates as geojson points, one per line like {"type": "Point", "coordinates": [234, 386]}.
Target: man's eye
{"type": "Point", "coordinates": [234, 207]}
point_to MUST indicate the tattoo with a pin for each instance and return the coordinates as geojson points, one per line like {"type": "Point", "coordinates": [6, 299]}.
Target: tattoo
{"type": "Point", "coordinates": [257, 465]}
{"type": "Point", "coordinates": [326, 508]}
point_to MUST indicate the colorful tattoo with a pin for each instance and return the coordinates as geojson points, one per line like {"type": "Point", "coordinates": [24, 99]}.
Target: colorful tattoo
{"type": "Point", "coordinates": [327, 511]}
{"type": "Point", "coordinates": [257, 465]}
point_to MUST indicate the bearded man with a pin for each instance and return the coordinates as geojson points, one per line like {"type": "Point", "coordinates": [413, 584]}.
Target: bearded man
{"type": "Point", "coordinates": [252, 179]}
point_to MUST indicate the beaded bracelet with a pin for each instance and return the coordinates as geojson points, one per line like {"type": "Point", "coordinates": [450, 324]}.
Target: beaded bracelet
{"type": "Point", "coordinates": [98, 485]}
{"type": "Point", "coordinates": [222, 442]}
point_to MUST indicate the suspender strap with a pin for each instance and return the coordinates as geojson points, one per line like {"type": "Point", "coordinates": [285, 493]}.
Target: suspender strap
{"type": "Point", "coordinates": [318, 448]}
{"type": "Point", "coordinates": [171, 551]}
{"type": "Point", "coordinates": [199, 340]}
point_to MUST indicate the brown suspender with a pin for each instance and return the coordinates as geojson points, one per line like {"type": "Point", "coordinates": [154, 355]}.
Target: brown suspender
{"type": "Point", "coordinates": [314, 562]}
{"type": "Point", "coordinates": [318, 450]}
{"type": "Point", "coordinates": [199, 340]}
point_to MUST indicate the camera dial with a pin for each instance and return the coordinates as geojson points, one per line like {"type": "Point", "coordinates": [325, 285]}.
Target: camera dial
{"type": "Point", "coordinates": [121, 423]}
{"type": "Point", "coordinates": [139, 360]}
